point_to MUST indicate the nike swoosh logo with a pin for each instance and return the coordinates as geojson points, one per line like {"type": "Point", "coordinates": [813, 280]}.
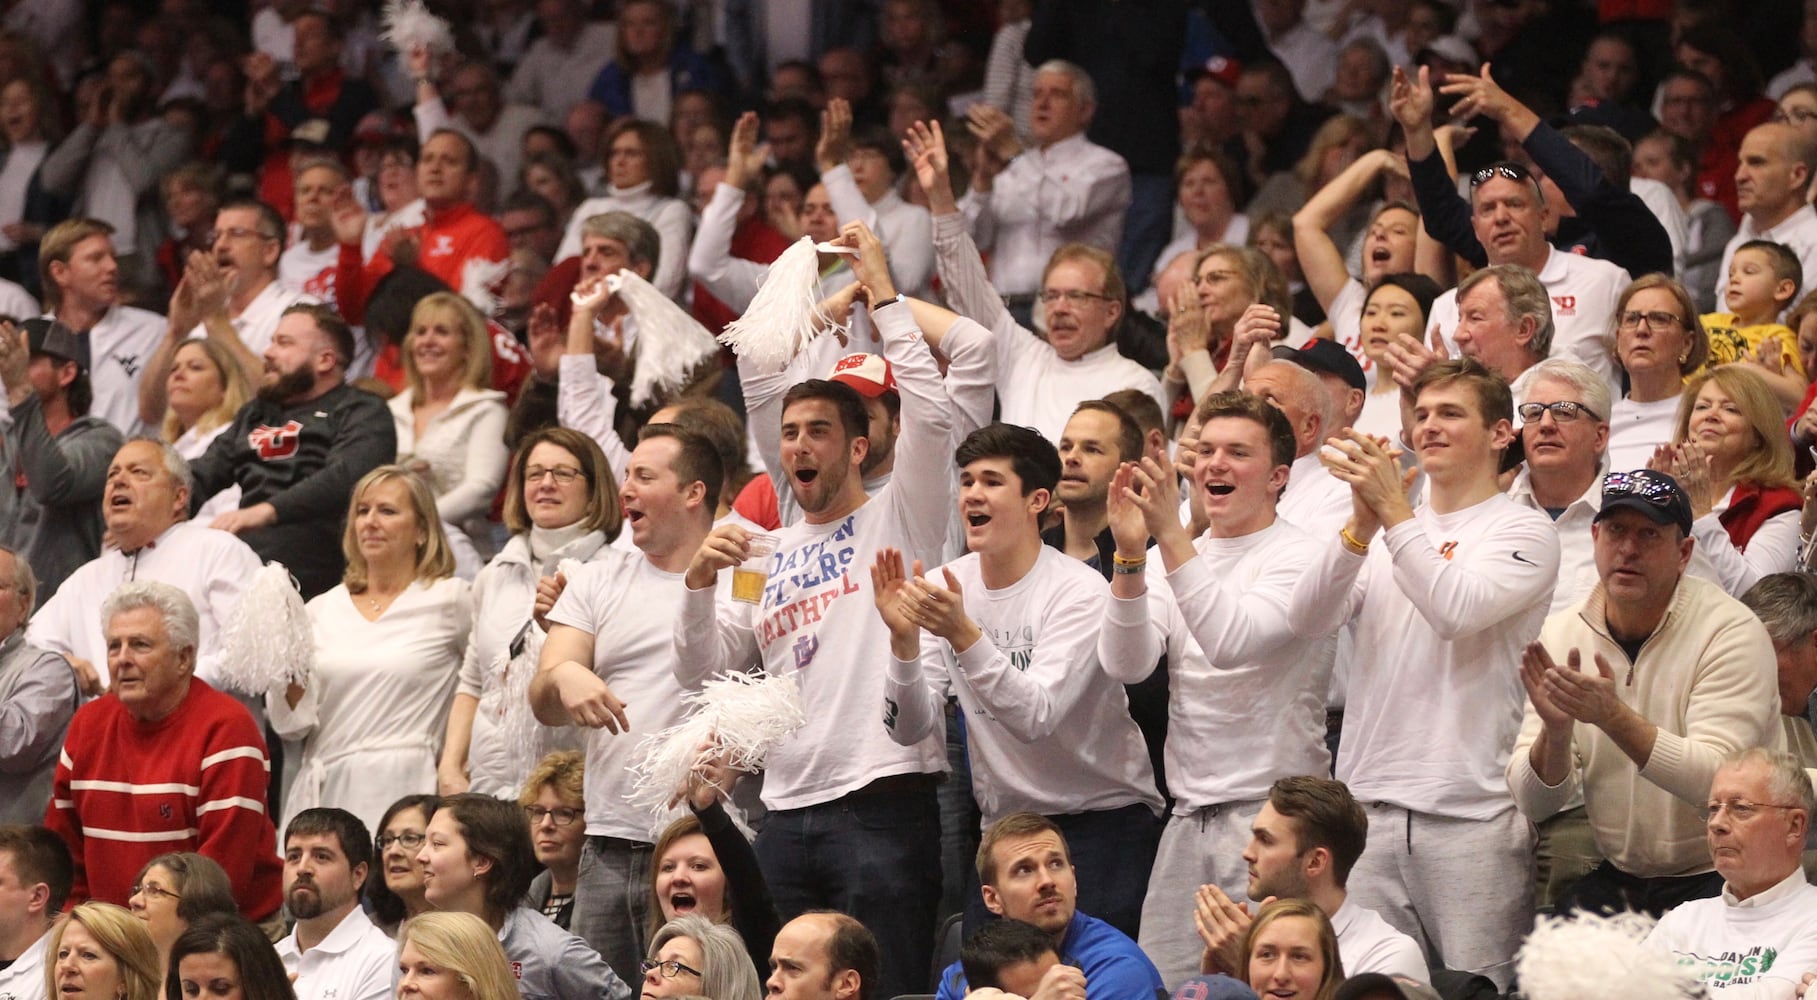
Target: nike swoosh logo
{"type": "Point", "coordinates": [1520, 558]}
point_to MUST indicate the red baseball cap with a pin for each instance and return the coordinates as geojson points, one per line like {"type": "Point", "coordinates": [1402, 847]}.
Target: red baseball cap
{"type": "Point", "coordinates": [870, 374]}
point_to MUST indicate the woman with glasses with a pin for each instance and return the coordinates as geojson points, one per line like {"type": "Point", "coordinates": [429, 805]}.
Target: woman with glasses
{"type": "Point", "coordinates": [394, 886]}
{"type": "Point", "coordinates": [561, 504]}
{"type": "Point", "coordinates": [175, 889]}
{"type": "Point", "coordinates": [555, 804]}
{"type": "Point", "coordinates": [452, 956]}
{"type": "Point", "coordinates": [1659, 341]}
{"type": "Point", "coordinates": [693, 956]}
{"type": "Point", "coordinates": [1733, 458]}
{"type": "Point", "coordinates": [450, 422]}
{"type": "Point", "coordinates": [1227, 281]}
{"type": "Point", "coordinates": [388, 644]}
{"type": "Point", "coordinates": [478, 860]}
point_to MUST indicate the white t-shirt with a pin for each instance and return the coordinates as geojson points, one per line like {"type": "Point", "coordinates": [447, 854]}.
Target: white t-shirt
{"type": "Point", "coordinates": [1232, 658]}
{"type": "Point", "coordinates": [1442, 605]}
{"type": "Point", "coordinates": [311, 272]}
{"type": "Point", "coordinates": [1346, 316]}
{"type": "Point", "coordinates": [1315, 501]}
{"type": "Point", "coordinates": [1048, 730]}
{"type": "Point", "coordinates": [1636, 429]}
{"type": "Point", "coordinates": [629, 606]}
{"type": "Point", "coordinates": [1366, 943]}
{"type": "Point", "coordinates": [1751, 949]}
{"type": "Point", "coordinates": [119, 348]}
{"type": "Point", "coordinates": [1584, 291]}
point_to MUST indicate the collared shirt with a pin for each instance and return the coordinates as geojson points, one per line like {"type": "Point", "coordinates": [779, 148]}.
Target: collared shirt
{"type": "Point", "coordinates": [119, 347]}
{"type": "Point", "coordinates": [1797, 231]}
{"type": "Point", "coordinates": [352, 963]}
{"type": "Point", "coordinates": [24, 978]}
{"type": "Point", "coordinates": [1584, 291]}
{"type": "Point", "coordinates": [1074, 191]}
{"type": "Point", "coordinates": [259, 320]}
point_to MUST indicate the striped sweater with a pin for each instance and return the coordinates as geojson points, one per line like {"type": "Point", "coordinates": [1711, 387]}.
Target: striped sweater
{"type": "Point", "coordinates": [196, 780]}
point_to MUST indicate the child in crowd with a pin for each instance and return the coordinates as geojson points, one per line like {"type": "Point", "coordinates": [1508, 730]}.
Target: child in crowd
{"type": "Point", "coordinates": [1763, 282]}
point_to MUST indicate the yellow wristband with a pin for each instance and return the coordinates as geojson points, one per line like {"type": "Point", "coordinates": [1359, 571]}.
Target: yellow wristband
{"type": "Point", "coordinates": [1352, 542]}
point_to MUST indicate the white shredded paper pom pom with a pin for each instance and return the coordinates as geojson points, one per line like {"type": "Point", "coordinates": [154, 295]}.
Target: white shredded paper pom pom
{"type": "Point", "coordinates": [1587, 955]}
{"type": "Point", "coordinates": [785, 313]}
{"type": "Point", "coordinates": [409, 25]}
{"type": "Point", "coordinates": [268, 642]}
{"type": "Point", "coordinates": [670, 342]}
{"type": "Point", "coordinates": [744, 716]}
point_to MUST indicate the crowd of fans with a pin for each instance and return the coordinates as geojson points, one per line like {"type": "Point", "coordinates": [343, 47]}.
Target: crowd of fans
{"type": "Point", "coordinates": [1356, 495]}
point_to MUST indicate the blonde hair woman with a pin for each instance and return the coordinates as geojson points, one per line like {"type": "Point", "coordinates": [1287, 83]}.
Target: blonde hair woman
{"type": "Point", "coordinates": [452, 956]}
{"type": "Point", "coordinates": [203, 390]}
{"type": "Point", "coordinates": [450, 422]}
{"type": "Point", "coordinates": [1659, 341]}
{"type": "Point", "coordinates": [99, 951]}
{"type": "Point", "coordinates": [388, 644]}
{"type": "Point", "coordinates": [1208, 316]}
{"type": "Point", "coordinates": [1732, 456]}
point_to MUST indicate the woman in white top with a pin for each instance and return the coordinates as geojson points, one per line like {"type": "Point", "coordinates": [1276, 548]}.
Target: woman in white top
{"type": "Point", "coordinates": [1207, 205]}
{"type": "Point", "coordinates": [643, 171]}
{"type": "Point", "coordinates": [561, 503]}
{"type": "Point", "coordinates": [1397, 306]}
{"type": "Point", "coordinates": [203, 391]}
{"type": "Point", "coordinates": [388, 645]}
{"type": "Point", "coordinates": [1659, 341]}
{"type": "Point", "coordinates": [28, 137]}
{"type": "Point", "coordinates": [450, 422]}
{"type": "Point", "coordinates": [1732, 455]}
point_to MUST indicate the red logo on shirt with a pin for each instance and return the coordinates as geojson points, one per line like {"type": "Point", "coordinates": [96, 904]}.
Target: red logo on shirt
{"type": "Point", "coordinates": [274, 443]}
{"type": "Point", "coordinates": [1447, 549]}
{"type": "Point", "coordinates": [517, 970]}
{"type": "Point", "coordinates": [1564, 305]}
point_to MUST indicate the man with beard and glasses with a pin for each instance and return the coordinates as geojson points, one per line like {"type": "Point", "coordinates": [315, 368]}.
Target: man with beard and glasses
{"type": "Point", "coordinates": [334, 952]}
{"type": "Point", "coordinates": [230, 295]}
{"type": "Point", "coordinates": [297, 449]}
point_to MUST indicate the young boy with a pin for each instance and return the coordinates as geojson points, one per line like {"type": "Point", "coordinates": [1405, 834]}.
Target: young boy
{"type": "Point", "coordinates": [1763, 282]}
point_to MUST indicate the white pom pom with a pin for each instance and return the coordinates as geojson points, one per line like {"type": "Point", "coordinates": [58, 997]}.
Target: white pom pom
{"type": "Point", "coordinates": [1586, 955]}
{"type": "Point", "coordinates": [785, 313]}
{"type": "Point", "coordinates": [409, 25]}
{"type": "Point", "coordinates": [268, 643]}
{"type": "Point", "coordinates": [480, 281]}
{"type": "Point", "coordinates": [670, 342]}
{"type": "Point", "coordinates": [744, 717]}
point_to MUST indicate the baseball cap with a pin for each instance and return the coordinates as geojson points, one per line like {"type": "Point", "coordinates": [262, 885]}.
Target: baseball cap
{"type": "Point", "coordinates": [1223, 69]}
{"type": "Point", "coordinates": [1328, 357]}
{"type": "Point", "coordinates": [313, 132]}
{"type": "Point", "coordinates": [47, 336]}
{"type": "Point", "coordinates": [1654, 494]}
{"type": "Point", "coordinates": [870, 374]}
{"type": "Point", "coordinates": [1368, 982]}
{"type": "Point", "coordinates": [1219, 987]}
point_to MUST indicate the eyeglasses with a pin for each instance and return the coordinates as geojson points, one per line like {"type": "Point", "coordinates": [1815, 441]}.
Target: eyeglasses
{"type": "Point", "coordinates": [1565, 411]}
{"type": "Point", "coordinates": [410, 841]}
{"type": "Point", "coordinates": [151, 890]}
{"type": "Point", "coordinates": [1654, 320]}
{"type": "Point", "coordinates": [235, 233]}
{"type": "Point", "coordinates": [1073, 296]}
{"type": "Point", "coordinates": [1741, 810]}
{"type": "Point", "coordinates": [562, 815]}
{"type": "Point", "coordinates": [1511, 171]}
{"type": "Point", "coordinates": [1794, 116]}
{"type": "Point", "coordinates": [564, 474]}
{"type": "Point", "coordinates": [670, 969]}
{"type": "Point", "coordinates": [1642, 483]}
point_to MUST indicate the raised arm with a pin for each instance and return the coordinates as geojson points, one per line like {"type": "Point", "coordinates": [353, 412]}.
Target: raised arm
{"type": "Point", "coordinates": [1321, 259]}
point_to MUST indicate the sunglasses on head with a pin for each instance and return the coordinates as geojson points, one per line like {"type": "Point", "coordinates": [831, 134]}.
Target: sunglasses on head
{"type": "Point", "coordinates": [1641, 483]}
{"type": "Point", "coordinates": [1512, 171]}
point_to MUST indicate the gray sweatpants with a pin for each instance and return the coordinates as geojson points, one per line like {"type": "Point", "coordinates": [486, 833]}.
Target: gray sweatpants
{"type": "Point", "coordinates": [1463, 888]}
{"type": "Point", "coordinates": [1204, 847]}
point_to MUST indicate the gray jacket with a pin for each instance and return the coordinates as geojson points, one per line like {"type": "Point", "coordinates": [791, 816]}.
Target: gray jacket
{"type": "Point", "coordinates": [55, 520]}
{"type": "Point", "coordinates": [37, 697]}
{"type": "Point", "coordinates": [552, 964]}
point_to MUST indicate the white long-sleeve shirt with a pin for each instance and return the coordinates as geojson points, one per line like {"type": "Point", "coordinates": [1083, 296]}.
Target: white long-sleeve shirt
{"type": "Point", "coordinates": [464, 446]}
{"type": "Point", "coordinates": [1048, 730]}
{"type": "Point", "coordinates": [1442, 606]}
{"type": "Point", "coordinates": [1773, 549]}
{"type": "Point", "coordinates": [670, 217]}
{"type": "Point", "coordinates": [1074, 191]}
{"type": "Point", "coordinates": [1745, 949]}
{"type": "Point", "coordinates": [1037, 388]}
{"type": "Point", "coordinates": [817, 619]}
{"type": "Point", "coordinates": [907, 231]}
{"type": "Point", "coordinates": [1233, 657]}
{"type": "Point", "coordinates": [212, 567]}
{"type": "Point", "coordinates": [1315, 501]}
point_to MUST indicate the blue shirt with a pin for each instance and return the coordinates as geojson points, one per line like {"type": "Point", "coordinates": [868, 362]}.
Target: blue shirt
{"type": "Point", "coordinates": [1115, 969]}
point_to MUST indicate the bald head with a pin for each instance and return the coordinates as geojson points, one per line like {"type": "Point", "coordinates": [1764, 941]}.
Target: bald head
{"type": "Point", "coordinates": [1300, 395]}
{"type": "Point", "coordinates": [1776, 164]}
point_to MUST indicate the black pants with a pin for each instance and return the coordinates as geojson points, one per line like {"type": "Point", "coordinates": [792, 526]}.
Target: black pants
{"type": "Point", "coordinates": [1608, 889]}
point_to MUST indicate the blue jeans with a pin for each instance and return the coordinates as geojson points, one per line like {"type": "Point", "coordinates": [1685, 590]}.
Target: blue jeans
{"type": "Point", "coordinates": [1147, 228]}
{"type": "Point", "coordinates": [1113, 851]}
{"type": "Point", "coordinates": [874, 856]}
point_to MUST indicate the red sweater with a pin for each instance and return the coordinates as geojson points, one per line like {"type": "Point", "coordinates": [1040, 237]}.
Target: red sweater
{"type": "Point", "coordinates": [126, 792]}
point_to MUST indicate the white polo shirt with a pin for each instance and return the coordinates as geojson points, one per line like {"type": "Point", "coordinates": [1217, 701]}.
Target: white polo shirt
{"type": "Point", "coordinates": [119, 348]}
{"type": "Point", "coordinates": [353, 962]}
{"type": "Point", "coordinates": [1798, 231]}
{"type": "Point", "coordinates": [259, 320]}
{"type": "Point", "coordinates": [1584, 292]}
{"type": "Point", "coordinates": [24, 978]}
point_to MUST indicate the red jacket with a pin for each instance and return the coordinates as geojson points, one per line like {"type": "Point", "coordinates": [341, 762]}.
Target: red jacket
{"type": "Point", "coordinates": [197, 780]}
{"type": "Point", "coordinates": [445, 243]}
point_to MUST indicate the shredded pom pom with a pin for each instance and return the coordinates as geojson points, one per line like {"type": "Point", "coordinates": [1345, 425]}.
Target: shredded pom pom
{"type": "Point", "coordinates": [1587, 955]}
{"type": "Point", "coordinates": [740, 716]}
{"type": "Point", "coordinates": [269, 642]}
{"type": "Point", "coordinates": [670, 342]}
{"type": "Point", "coordinates": [480, 281]}
{"type": "Point", "coordinates": [785, 314]}
{"type": "Point", "coordinates": [409, 25]}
